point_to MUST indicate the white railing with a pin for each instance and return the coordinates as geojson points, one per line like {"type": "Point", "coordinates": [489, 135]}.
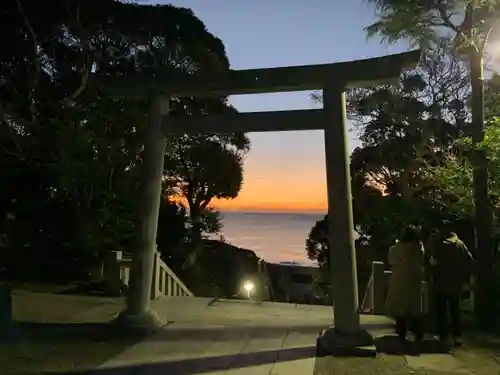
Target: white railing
{"type": "Point", "coordinates": [164, 282]}
{"type": "Point", "coordinates": [367, 302]}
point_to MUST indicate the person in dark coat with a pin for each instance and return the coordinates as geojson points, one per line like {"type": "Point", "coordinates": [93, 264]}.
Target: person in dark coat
{"type": "Point", "coordinates": [404, 294]}
{"type": "Point", "coordinates": [450, 265]}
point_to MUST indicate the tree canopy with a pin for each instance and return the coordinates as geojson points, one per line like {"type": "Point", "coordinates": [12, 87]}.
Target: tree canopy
{"type": "Point", "coordinates": [427, 23]}
{"type": "Point", "coordinates": [466, 27]}
{"type": "Point", "coordinates": [411, 167]}
{"type": "Point", "coordinates": [71, 154]}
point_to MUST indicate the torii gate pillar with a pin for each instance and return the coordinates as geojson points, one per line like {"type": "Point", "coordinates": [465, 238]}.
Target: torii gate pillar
{"type": "Point", "coordinates": [340, 217]}
{"type": "Point", "coordinates": [138, 313]}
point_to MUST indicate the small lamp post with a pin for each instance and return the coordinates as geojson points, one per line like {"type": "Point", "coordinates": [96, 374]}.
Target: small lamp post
{"type": "Point", "coordinates": [249, 287]}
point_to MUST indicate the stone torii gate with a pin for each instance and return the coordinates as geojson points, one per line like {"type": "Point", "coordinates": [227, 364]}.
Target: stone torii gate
{"type": "Point", "coordinates": [333, 79]}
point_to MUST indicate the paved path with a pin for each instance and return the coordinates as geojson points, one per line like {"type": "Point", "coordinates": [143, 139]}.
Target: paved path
{"type": "Point", "coordinates": [243, 338]}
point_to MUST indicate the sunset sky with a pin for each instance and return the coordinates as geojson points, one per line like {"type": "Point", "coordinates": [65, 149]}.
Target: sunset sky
{"type": "Point", "coordinates": [286, 171]}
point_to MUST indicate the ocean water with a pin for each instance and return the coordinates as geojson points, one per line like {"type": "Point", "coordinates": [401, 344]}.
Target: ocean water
{"type": "Point", "coordinates": [275, 237]}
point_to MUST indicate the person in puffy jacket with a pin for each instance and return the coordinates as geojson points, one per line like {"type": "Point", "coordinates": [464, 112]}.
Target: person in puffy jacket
{"type": "Point", "coordinates": [404, 294]}
{"type": "Point", "coordinates": [450, 268]}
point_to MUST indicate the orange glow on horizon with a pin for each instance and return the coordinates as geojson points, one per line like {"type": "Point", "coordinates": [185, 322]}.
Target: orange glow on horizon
{"type": "Point", "coordinates": [290, 195]}
{"type": "Point", "coordinates": [281, 193]}
{"type": "Point", "coordinates": [235, 205]}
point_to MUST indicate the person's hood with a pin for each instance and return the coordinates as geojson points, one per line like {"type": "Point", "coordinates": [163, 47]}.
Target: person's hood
{"type": "Point", "coordinates": [450, 238]}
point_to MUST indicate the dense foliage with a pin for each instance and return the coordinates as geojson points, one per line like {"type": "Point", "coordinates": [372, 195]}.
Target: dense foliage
{"type": "Point", "coordinates": [412, 168]}
{"type": "Point", "coordinates": [413, 165]}
{"type": "Point", "coordinates": [70, 154]}
{"type": "Point", "coordinates": [467, 27]}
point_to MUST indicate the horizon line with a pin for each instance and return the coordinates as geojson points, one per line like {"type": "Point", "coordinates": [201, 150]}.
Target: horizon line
{"type": "Point", "coordinates": [265, 211]}
{"type": "Point", "coordinates": [282, 210]}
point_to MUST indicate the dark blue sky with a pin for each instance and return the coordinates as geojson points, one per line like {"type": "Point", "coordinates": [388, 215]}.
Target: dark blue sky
{"type": "Point", "coordinates": [260, 34]}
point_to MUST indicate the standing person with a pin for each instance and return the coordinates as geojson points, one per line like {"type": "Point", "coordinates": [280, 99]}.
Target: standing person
{"type": "Point", "coordinates": [450, 266]}
{"type": "Point", "coordinates": [404, 295]}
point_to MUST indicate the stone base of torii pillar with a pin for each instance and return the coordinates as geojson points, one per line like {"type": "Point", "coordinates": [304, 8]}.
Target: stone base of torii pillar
{"type": "Point", "coordinates": [332, 342]}
{"type": "Point", "coordinates": [143, 322]}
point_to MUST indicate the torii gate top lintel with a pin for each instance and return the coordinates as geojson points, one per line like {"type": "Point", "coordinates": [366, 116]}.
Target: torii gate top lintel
{"type": "Point", "coordinates": [357, 73]}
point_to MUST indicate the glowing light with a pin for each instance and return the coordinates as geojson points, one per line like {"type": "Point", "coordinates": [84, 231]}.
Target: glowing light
{"type": "Point", "coordinates": [248, 286]}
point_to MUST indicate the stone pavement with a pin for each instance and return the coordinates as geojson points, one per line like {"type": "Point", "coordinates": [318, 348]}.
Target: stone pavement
{"type": "Point", "coordinates": [243, 337]}
{"type": "Point", "coordinates": [456, 363]}
{"type": "Point", "coordinates": [429, 359]}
